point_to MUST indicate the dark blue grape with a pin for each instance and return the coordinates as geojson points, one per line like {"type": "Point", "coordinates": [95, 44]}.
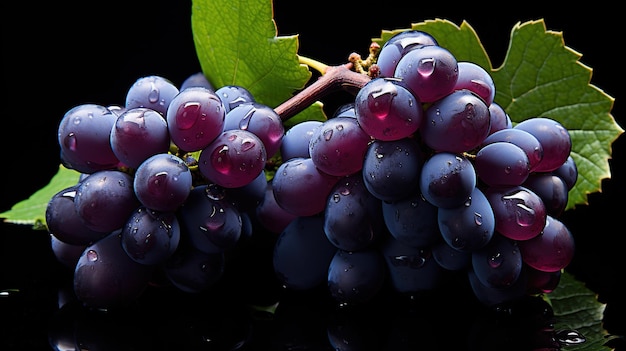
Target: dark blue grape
{"type": "Point", "coordinates": [412, 220]}
{"type": "Point", "coordinates": [499, 263]}
{"type": "Point", "coordinates": [356, 277]}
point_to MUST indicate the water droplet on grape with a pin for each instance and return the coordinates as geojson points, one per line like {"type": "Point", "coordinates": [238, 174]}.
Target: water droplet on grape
{"type": "Point", "coordinates": [187, 115]}
{"type": "Point", "coordinates": [426, 67]}
{"type": "Point", "coordinates": [495, 260]}
{"type": "Point", "coordinates": [92, 255]}
{"type": "Point", "coordinates": [153, 96]}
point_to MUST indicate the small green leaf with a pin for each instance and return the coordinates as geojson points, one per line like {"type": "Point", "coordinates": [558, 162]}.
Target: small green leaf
{"type": "Point", "coordinates": [32, 211]}
{"type": "Point", "coordinates": [541, 77]}
{"type": "Point", "coordinates": [237, 43]}
{"type": "Point", "coordinates": [577, 308]}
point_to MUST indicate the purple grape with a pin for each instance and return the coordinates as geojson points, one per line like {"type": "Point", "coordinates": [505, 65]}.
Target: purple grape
{"type": "Point", "coordinates": [197, 79]}
{"type": "Point", "coordinates": [386, 110]}
{"type": "Point", "coordinates": [270, 215]}
{"type": "Point", "coordinates": [162, 182]}
{"type": "Point", "coordinates": [65, 224]}
{"type": "Point", "coordinates": [67, 254]}
{"type": "Point", "coordinates": [498, 118]}
{"type": "Point", "coordinates": [502, 163]}
{"type": "Point", "coordinates": [499, 263]}
{"type": "Point", "coordinates": [551, 250]}
{"type": "Point", "coordinates": [520, 213]}
{"type": "Point", "coordinates": [106, 277]}
{"type": "Point", "coordinates": [193, 271]}
{"type": "Point", "coordinates": [212, 225]}
{"type": "Point", "coordinates": [195, 117]}
{"type": "Point", "coordinates": [259, 119]}
{"type": "Point", "coordinates": [234, 159]}
{"type": "Point", "coordinates": [522, 139]}
{"type": "Point", "coordinates": [447, 179]}
{"type": "Point", "coordinates": [476, 79]}
{"type": "Point", "coordinates": [450, 258]}
{"type": "Point", "coordinates": [410, 269]}
{"type": "Point", "coordinates": [551, 189]}
{"type": "Point", "coordinates": [540, 282]}
{"type": "Point", "coordinates": [470, 226]}
{"type": "Point", "coordinates": [492, 296]}
{"type": "Point", "coordinates": [300, 188]}
{"type": "Point", "coordinates": [412, 220]}
{"type": "Point", "coordinates": [353, 217]}
{"type": "Point", "coordinates": [150, 237]}
{"type": "Point", "coordinates": [554, 138]}
{"type": "Point", "coordinates": [297, 139]}
{"type": "Point", "coordinates": [356, 277]}
{"type": "Point", "coordinates": [430, 71]}
{"type": "Point", "coordinates": [391, 169]}
{"type": "Point", "coordinates": [458, 122]}
{"type": "Point", "coordinates": [105, 199]}
{"type": "Point", "coordinates": [568, 172]}
{"type": "Point", "coordinates": [233, 96]}
{"type": "Point", "coordinates": [397, 46]}
{"type": "Point", "coordinates": [84, 137]}
{"type": "Point", "coordinates": [338, 146]}
{"type": "Point", "coordinates": [139, 133]}
{"type": "Point", "coordinates": [302, 254]}
{"type": "Point", "coordinates": [154, 92]}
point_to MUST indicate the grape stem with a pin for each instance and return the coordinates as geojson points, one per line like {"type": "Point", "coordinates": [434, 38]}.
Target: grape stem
{"type": "Point", "coordinates": [332, 79]}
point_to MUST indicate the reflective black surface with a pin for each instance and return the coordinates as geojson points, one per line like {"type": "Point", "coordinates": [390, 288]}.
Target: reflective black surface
{"type": "Point", "coordinates": [53, 62]}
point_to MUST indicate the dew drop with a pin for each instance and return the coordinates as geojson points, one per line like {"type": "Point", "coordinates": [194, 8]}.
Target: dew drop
{"type": "Point", "coordinates": [426, 67]}
{"type": "Point", "coordinates": [92, 255]}
{"type": "Point", "coordinates": [187, 115]}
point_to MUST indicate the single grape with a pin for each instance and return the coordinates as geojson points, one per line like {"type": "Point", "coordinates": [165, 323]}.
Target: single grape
{"type": "Point", "coordinates": [501, 163]}
{"type": "Point", "coordinates": [212, 225]}
{"type": "Point", "coordinates": [450, 258]}
{"type": "Point", "coordinates": [447, 179]}
{"type": "Point", "coordinates": [492, 296]}
{"type": "Point", "coordinates": [410, 269]}
{"type": "Point", "coordinates": [554, 138]}
{"type": "Point", "coordinates": [194, 271]}
{"type": "Point", "coordinates": [499, 263]}
{"type": "Point", "coordinates": [106, 277]}
{"type": "Point", "coordinates": [345, 110]}
{"type": "Point", "coordinates": [498, 118]}
{"type": "Point", "coordinates": [568, 172]}
{"type": "Point", "coordinates": [197, 79]}
{"type": "Point", "coordinates": [139, 133]}
{"type": "Point", "coordinates": [540, 282]}
{"type": "Point", "coordinates": [356, 277]}
{"type": "Point", "coordinates": [65, 223]}
{"type": "Point", "coordinates": [154, 92]}
{"type": "Point", "coordinates": [84, 137]}
{"type": "Point", "coordinates": [297, 139]}
{"type": "Point", "coordinates": [105, 199]}
{"type": "Point", "coordinates": [300, 188]}
{"type": "Point", "coordinates": [520, 213]}
{"type": "Point", "coordinates": [475, 78]}
{"type": "Point", "coordinates": [391, 169]}
{"type": "Point", "coordinates": [353, 217]}
{"type": "Point", "coordinates": [162, 182]}
{"type": "Point", "coordinates": [397, 46]}
{"type": "Point", "coordinates": [430, 71]}
{"type": "Point", "coordinates": [386, 110]}
{"type": "Point", "coordinates": [234, 159]}
{"type": "Point", "coordinates": [522, 139]}
{"type": "Point", "coordinates": [67, 254]}
{"type": "Point", "coordinates": [302, 254]}
{"type": "Point", "coordinates": [551, 250]}
{"type": "Point", "coordinates": [195, 117]}
{"type": "Point", "coordinates": [458, 122]}
{"type": "Point", "coordinates": [338, 146]}
{"type": "Point", "coordinates": [470, 226]}
{"type": "Point", "coordinates": [270, 215]}
{"type": "Point", "coordinates": [233, 96]}
{"type": "Point", "coordinates": [259, 119]}
{"type": "Point", "coordinates": [150, 237]}
{"type": "Point", "coordinates": [412, 220]}
{"type": "Point", "coordinates": [551, 189]}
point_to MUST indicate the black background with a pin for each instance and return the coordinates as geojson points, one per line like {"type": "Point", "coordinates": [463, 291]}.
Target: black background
{"type": "Point", "coordinates": [60, 54]}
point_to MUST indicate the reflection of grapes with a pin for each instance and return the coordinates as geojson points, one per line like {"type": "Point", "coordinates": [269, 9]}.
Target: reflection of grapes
{"type": "Point", "coordinates": [421, 176]}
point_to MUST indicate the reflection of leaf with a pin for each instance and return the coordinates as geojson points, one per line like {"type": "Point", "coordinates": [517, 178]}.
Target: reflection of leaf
{"type": "Point", "coordinates": [541, 77]}
{"type": "Point", "coordinates": [33, 210]}
{"type": "Point", "coordinates": [577, 309]}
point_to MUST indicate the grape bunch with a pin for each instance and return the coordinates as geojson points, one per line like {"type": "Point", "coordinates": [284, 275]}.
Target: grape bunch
{"type": "Point", "coordinates": [423, 174]}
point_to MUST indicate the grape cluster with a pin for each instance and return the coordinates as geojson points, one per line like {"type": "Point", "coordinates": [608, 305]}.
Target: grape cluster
{"type": "Point", "coordinates": [421, 175]}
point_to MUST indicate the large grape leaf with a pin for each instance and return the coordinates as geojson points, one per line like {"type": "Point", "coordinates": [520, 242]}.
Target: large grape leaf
{"type": "Point", "coordinates": [236, 42]}
{"type": "Point", "coordinates": [542, 77]}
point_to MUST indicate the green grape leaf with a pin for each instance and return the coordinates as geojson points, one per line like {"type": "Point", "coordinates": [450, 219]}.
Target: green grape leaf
{"type": "Point", "coordinates": [237, 43]}
{"type": "Point", "coordinates": [32, 211]}
{"type": "Point", "coordinates": [578, 309]}
{"type": "Point", "coordinates": [541, 77]}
